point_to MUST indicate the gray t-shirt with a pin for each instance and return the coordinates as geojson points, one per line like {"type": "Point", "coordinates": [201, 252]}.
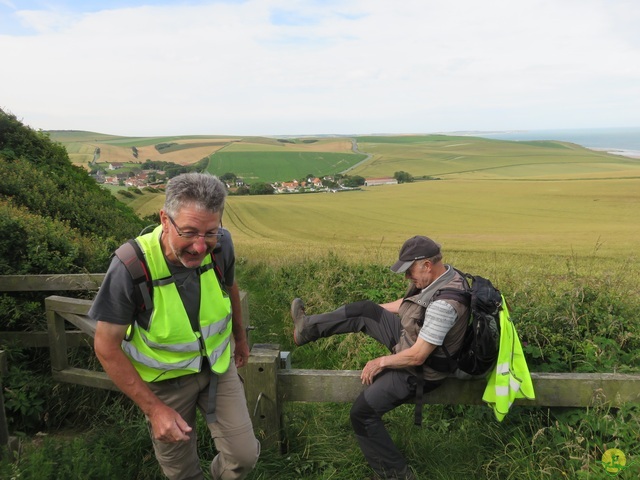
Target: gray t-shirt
{"type": "Point", "coordinates": [115, 301]}
{"type": "Point", "coordinates": [438, 320]}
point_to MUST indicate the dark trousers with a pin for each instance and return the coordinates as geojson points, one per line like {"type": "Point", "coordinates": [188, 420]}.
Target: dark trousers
{"type": "Point", "coordinates": [391, 388]}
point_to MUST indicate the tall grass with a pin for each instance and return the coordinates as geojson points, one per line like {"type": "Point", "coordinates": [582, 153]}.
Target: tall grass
{"type": "Point", "coordinates": [573, 314]}
{"type": "Point", "coordinates": [577, 314]}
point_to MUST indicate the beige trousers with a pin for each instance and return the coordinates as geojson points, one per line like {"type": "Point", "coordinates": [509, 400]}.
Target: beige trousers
{"type": "Point", "coordinates": [232, 432]}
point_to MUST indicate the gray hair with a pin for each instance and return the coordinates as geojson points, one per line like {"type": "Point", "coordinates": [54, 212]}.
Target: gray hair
{"type": "Point", "coordinates": [436, 258]}
{"type": "Point", "coordinates": [202, 190]}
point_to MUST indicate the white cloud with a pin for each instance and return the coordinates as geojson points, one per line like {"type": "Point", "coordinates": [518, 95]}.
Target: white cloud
{"type": "Point", "coordinates": [281, 67]}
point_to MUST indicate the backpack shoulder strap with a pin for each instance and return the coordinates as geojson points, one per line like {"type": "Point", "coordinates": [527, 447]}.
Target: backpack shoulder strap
{"type": "Point", "coordinates": [215, 267]}
{"type": "Point", "coordinates": [131, 256]}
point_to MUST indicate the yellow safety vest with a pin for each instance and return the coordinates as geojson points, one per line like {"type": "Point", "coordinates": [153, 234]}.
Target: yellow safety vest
{"type": "Point", "coordinates": [510, 379]}
{"type": "Point", "coordinates": [170, 347]}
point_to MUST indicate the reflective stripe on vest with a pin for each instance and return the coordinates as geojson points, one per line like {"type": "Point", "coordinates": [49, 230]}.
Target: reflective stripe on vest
{"type": "Point", "coordinates": [169, 348]}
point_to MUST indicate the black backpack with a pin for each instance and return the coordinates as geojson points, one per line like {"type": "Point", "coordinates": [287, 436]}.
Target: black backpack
{"type": "Point", "coordinates": [479, 351]}
{"type": "Point", "coordinates": [130, 254]}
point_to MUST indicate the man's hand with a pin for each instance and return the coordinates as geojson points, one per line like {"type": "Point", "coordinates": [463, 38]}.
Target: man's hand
{"type": "Point", "coordinates": [241, 353]}
{"type": "Point", "coordinates": [167, 425]}
{"type": "Point", "coordinates": [370, 370]}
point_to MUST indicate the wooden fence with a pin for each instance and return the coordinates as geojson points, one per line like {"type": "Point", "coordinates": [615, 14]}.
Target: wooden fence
{"type": "Point", "coordinates": [269, 380]}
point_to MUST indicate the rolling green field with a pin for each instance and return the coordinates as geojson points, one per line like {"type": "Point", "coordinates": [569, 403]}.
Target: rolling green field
{"type": "Point", "coordinates": [540, 198]}
{"type": "Point", "coordinates": [266, 166]}
{"type": "Point", "coordinates": [478, 159]}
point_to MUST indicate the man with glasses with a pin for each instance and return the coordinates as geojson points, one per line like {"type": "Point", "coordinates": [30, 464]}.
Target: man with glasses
{"type": "Point", "coordinates": [421, 331]}
{"type": "Point", "coordinates": [181, 358]}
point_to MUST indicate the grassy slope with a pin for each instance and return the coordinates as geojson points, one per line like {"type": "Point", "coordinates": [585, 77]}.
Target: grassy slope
{"type": "Point", "coordinates": [478, 158]}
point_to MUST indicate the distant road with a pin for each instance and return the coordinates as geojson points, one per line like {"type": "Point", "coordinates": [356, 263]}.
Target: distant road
{"type": "Point", "coordinates": [354, 148]}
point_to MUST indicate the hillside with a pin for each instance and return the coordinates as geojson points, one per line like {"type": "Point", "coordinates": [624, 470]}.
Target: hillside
{"type": "Point", "coordinates": [262, 159]}
{"type": "Point", "coordinates": [479, 158]}
{"type": "Point", "coordinates": [60, 218]}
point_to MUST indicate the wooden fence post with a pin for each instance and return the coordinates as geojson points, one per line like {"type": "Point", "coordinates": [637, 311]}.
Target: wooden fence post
{"type": "Point", "coordinates": [261, 390]}
{"type": "Point", "coordinates": [57, 338]}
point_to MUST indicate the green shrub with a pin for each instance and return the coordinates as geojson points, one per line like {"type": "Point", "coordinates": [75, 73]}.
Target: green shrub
{"type": "Point", "coordinates": [125, 193]}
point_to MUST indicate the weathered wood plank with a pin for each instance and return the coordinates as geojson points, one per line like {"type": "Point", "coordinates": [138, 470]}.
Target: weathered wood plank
{"type": "Point", "coordinates": [77, 306]}
{"type": "Point", "coordinates": [75, 338]}
{"type": "Point", "coordinates": [84, 323]}
{"type": "Point", "coordinates": [84, 377]}
{"type": "Point", "coordinates": [48, 283]}
{"type": "Point", "coordinates": [552, 389]}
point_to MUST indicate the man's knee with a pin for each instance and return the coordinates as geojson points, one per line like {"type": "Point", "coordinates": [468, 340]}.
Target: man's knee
{"type": "Point", "coordinates": [235, 465]}
{"type": "Point", "coordinates": [362, 414]}
{"type": "Point", "coordinates": [364, 308]}
{"type": "Point", "coordinates": [246, 459]}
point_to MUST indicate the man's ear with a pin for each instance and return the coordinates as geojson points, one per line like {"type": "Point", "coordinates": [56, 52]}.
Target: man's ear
{"type": "Point", "coordinates": [163, 221]}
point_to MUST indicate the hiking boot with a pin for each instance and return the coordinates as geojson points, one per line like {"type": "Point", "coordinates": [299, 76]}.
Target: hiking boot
{"type": "Point", "coordinates": [299, 320]}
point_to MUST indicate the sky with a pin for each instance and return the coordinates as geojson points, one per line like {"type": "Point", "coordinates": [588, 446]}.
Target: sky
{"type": "Point", "coordinates": [287, 67]}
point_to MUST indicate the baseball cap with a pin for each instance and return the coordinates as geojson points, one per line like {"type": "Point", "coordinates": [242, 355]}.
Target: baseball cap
{"type": "Point", "coordinates": [414, 249]}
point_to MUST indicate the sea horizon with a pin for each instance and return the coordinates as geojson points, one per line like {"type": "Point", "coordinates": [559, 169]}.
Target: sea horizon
{"type": "Point", "coordinates": [619, 141]}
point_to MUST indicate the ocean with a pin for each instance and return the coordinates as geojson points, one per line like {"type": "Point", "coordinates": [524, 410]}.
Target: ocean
{"type": "Point", "coordinates": [621, 141]}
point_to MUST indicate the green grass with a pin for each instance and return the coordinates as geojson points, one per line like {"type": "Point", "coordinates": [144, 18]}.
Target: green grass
{"type": "Point", "coordinates": [573, 314]}
{"type": "Point", "coordinates": [270, 166]}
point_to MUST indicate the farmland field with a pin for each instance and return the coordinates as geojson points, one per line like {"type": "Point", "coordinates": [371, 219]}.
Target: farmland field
{"type": "Point", "coordinates": [184, 150]}
{"type": "Point", "coordinates": [268, 166]}
{"type": "Point", "coordinates": [540, 198]}
{"type": "Point", "coordinates": [490, 216]}
{"type": "Point", "coordinates": [584, 218]}
{"type": "Point", "coordinates": [471, 157]}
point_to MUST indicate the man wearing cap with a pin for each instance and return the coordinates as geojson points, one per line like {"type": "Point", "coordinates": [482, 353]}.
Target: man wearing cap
{"type": "Point", "coordinates": [417, 330]}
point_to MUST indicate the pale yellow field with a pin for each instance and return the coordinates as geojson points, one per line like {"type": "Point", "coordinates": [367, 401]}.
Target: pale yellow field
{"type": "Point", "coordinates": [571, 217]}
{"type": "Point", "coordinates": [180, 157]}
{"type": "Point", "coordinates": [585, 218]}
{"type": "Point", "coordinates": [81, 153]}
{"type": "Point", "coordinates": [323, 145]}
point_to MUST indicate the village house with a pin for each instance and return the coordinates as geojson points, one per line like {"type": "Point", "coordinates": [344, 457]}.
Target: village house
{"type": "Point", "coordinates": [316, 182]}
{"type": "Point", "coordinates": [287, 187]}
{"type": "Point", "coordinates": [370, 182]}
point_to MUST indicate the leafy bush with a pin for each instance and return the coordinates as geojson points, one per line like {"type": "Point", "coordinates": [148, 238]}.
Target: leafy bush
{"type": "Point", "coordinates": [38, 175]}
{"type": "Point", "coordinates": [36, 244]}
{"type": "Point", "coordinates": [125, 193]}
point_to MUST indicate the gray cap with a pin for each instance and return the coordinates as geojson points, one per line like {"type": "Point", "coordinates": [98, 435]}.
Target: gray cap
{"type": "Point", "coordinates": [414, 249]}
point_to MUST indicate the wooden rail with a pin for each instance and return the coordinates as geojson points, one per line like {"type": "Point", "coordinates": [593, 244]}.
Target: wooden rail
{"type": "Point", "coordinates": [39, 283]}
{"type": "Point", "coordinates": [82, 282]}
{"type": "Point", "coordinates": [51, 283]}
{"type": "Point", "coordinates": [268, 384]}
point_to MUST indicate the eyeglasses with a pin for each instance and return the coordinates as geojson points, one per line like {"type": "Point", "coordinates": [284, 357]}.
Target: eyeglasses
{"type": "Point", "coordinates": [195, 235]}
